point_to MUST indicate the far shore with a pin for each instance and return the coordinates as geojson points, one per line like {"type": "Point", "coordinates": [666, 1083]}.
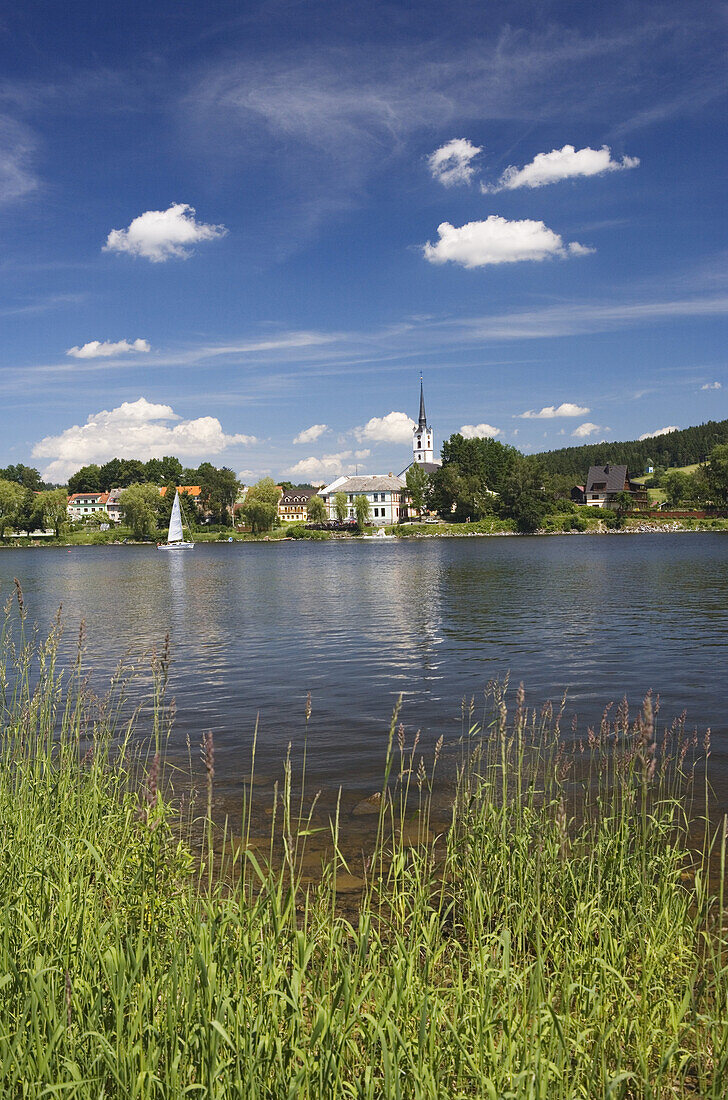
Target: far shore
{"type": "Point", "coordinates": [480, 529]}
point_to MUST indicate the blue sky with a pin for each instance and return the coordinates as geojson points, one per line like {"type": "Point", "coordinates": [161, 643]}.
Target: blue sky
{"type": "Point", "coordinates": [524, 202]}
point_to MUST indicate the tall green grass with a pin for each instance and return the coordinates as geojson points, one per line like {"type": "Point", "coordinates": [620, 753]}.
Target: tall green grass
{"type": "Point", "coordinates": [563, 937]}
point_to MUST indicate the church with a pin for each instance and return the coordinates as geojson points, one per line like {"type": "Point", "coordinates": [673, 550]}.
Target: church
{"type": "Point", "coordinates": [387, 494]}
{"type": "Point", "coordinates": [423, 442]}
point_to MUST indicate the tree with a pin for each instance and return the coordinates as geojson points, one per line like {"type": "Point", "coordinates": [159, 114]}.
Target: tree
{"type": "Point", "coordinates": [316, 509]}
{"type": "Point", "coordinates": [260, 515]}
{"type": "Point", "coordinates": [11, 496]}
{"type": "Point", "coordinates": [139, 508]}
{"type": "Point", "coordinates": [418, 487]}
{"type": "Point", "coordinates": [172, 470]}
{"type": "Point", "coordinates": [363, 510]}
{"type": "Point", "coordinates": [29, 516]}
{"type": "Point", "coordinates": [110, 475]}
{"type": "Point", "coordinates": [621, 504]}
{"type": "Point", "coordinates": [219, 489]}
{"type": "Point", "coordinates": [717, 474]}
{"type": "Point", "coordinates": [53, 506]}
{"type": "Point", "coordinates": [341, 506]}
{"type": "Point", "coordinates": [27, 476]}
{"type": "Point", "coordinates": [85, 480]}
{"type": "Point", "coordinates": [261, 505]}
{"type": "Point", "coordinates": [677, 485]}
{"type": "Point", "coordinates": [524, 498]}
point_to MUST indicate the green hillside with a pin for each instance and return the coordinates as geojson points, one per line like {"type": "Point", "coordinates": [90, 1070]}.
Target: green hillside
{"type": "Point", "coordinates": [682, 448]}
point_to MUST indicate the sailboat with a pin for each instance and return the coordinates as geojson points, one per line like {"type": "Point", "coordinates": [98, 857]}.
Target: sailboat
{"type": "Point", "coordinates": [175, 536]}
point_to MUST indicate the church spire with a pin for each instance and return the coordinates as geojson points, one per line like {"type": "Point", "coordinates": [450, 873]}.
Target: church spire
{"type": "Point", "coordinates": [422, 443]}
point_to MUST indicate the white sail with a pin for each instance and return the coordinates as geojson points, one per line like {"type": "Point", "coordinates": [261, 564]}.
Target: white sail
{"type": "Point", "coordinates": [175, 522]}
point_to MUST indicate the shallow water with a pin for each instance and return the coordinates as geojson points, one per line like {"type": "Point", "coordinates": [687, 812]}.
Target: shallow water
{"type": "Point", "coordinates": [254, 627]}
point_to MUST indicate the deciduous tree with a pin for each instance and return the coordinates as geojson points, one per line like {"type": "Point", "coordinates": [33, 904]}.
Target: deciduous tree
{"type": "Point", "coordinates": [316, 509]}
{"type": "Point", "coordinates": [139, 508]}
{"type": "Point", "coordinates": [11, 496]}
{"type": "Point", "coordinates": [418, 487]}
{"type": "Point", "coordinates": [362, 510]}
{"type": "Point", "coordinates": [341, 506]}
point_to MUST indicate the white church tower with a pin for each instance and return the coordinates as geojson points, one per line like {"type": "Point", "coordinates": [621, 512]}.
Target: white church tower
{"type": "Point", "coordinates": [422, 439]}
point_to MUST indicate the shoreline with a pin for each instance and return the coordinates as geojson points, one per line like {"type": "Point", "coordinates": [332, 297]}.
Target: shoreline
{"type": "Point", "coordinates": [641, 529]}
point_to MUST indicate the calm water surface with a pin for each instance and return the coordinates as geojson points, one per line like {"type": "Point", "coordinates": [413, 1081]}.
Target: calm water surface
{"type": "Point", "coordinates": [254, 627]}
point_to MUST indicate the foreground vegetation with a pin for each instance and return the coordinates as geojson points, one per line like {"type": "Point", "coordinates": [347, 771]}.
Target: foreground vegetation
{"type": "Point", "coordinates": [558, 939]}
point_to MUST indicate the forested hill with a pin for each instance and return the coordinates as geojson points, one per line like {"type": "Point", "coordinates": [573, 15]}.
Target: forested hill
{"type": "Point", "coordinates": [680, 448]}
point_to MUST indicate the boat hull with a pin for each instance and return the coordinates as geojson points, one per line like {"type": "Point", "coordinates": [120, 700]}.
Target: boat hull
{"type": "Point", "coordinates": [175, 546]}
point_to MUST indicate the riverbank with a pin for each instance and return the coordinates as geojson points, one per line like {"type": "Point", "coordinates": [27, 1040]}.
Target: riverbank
{"type": "Point", "coordinates": [563, 936]}
{"type": "Point", "coordinates": [569, 524]}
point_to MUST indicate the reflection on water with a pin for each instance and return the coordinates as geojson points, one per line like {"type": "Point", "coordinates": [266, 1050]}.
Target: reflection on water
{"type": "Point", "coordinates": [255, 627]}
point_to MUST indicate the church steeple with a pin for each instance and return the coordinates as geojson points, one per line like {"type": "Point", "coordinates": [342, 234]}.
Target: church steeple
{"type": "Point", "coordinates": [423, 418]}
{"type": "Point", "coordinates": [422, 441]}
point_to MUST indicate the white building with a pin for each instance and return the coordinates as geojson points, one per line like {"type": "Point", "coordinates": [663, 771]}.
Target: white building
{"type": "Point", "coordinates": [82, 505]}
{"type": "Point", "coordinates": [386, 495]}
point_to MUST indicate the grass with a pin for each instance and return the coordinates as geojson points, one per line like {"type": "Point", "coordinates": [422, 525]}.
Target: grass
{"type": "Point", "coordinates": [564, 936]}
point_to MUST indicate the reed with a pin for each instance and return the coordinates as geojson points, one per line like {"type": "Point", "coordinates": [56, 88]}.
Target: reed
{"type": "Point", "coordinates": [564, 936]}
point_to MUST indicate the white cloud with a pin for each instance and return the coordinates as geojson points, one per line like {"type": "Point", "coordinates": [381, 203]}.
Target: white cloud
{"type": "Point", "coordinates": [498, 241]}
{"type": "Point", "coordinates": [328, 466]}
{"type": "Point", "coordinates": [159, 235]}
{"type": "Point", "coordinates": [711, 386]}
{"type": "Point", "coordinates": [101, 349]}
{"type": "Point", "coordinates": [310, 435]}
{"type": "Point", "coordinates": [560, 164]}
{"type": "Point", "coordinates": [548, 412]}
{"type": "Point", "coordinates": [395, 427]}
{"type": "Point", "coordinates": [246, 476]}
{"type": "Point", "coordinates": [136, 429]}
{"type": "Point", "coordinates": [478, 431]}
{"type": "Point", "coordinates": [451, 163]}
{"type": "Point", "coordinates": [585, 429]}
{"type": "Point", "coordinates": [660, 431]}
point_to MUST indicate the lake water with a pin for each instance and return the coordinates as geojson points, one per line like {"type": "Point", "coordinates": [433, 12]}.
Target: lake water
{"type": "Point", "coordinates": [254, 627]}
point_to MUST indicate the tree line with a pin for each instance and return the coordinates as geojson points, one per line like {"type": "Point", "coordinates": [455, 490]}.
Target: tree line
{"type": "Point", "coordinates": [680, 448]}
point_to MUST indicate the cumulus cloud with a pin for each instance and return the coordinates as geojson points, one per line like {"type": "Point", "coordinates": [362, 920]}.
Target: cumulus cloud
{"type": "Point", "coordinates": [395, 427]}
{"type": "Point", "coordinates": [498, 241]}
{"type": "Point", "coordinates": [452, 162]}
{"type": "Point", "coordinates": [560, 164]}
{"type": "Point", "coordinates": [135, 429]}
{"type": "Point", "coordinates": [327, 466]}
{"type": "Point", "coordinates": [102, 349]}
{"type": "Point", "coordinates": [711, 386]}
{"type": "Point", "coordinates": [585, 429]}
{"type": "Point", "coordinates": [310, 435]}
{"type": "Point", "coordinates": [160, 235]}
{"type": "Point", "coordinates": [660, 431]}
{"type": "Point", "coordinates": [548, 412]}
{"type": "Point", "coordinates": [478, 431]}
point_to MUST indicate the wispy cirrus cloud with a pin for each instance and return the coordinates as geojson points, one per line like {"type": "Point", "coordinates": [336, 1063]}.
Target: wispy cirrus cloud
{"type": "Point", "coordinates": [498, 241]}
{"type": "Point", "coordinates": [560, 164]}
{"type": "Point", "coordinates": [160, 235]}
{"type": "Point", "coordinates": [104, 349]}
{"type": "Point", "coordinates": [17, 149]}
